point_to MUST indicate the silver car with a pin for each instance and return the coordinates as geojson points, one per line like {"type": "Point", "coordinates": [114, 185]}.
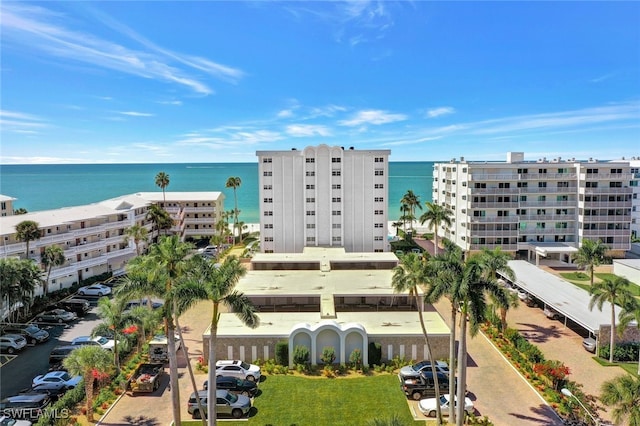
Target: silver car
{"type": "Point", "coordinates": [228, 404]}
{"type": "Point", "coordinates": [12, 343]}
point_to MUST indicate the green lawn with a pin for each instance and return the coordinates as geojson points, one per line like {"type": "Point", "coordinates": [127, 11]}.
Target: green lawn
{"type": "Point", "coordinates": [582, 280]}
{"type": "Point", "coordinates": [296, 400]}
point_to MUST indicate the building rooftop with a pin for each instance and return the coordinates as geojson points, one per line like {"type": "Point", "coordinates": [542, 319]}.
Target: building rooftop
{"type": "Point", "coordinates": [324, 254]}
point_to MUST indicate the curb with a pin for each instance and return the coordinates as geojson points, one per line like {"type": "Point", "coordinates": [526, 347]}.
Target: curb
{"type": "Point", "coordinates": [106, 413]}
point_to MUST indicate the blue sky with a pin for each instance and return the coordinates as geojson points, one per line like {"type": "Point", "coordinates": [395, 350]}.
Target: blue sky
{"type": "Point", "coordinates": [162, 82]}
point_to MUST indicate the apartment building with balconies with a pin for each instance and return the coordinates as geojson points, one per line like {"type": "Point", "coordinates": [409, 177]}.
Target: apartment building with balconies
{"type": "Point", "coordinates": [92, 236]}
{"type": "Point", "coordinates": [517, 203]}
{"type": "Point", "coordinates": [323, 196]}
{"type": "Point", "coordinates": [6, 205]}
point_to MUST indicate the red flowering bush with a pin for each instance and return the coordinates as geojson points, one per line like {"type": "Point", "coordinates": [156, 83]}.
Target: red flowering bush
{"type": "Point", "coordinates": [131, 329]}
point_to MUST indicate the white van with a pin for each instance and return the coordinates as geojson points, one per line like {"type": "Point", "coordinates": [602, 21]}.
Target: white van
{"type": "Point", "coordinates": [159, 348]}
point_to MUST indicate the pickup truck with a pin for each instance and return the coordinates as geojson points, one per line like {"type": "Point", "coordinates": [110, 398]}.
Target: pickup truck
{"type": "Point", "coordinates": [423, 386]}
{"type": "Point", "coordinates": [146, 378]}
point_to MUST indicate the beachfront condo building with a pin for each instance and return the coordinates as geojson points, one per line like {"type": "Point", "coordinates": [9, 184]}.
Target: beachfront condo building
{"type": "Point", "coordinates": [546, 204]}
{"type": "Point", "coordinates": [634, 162]}
{"type": "Point", "coordinates": [6, 205]}
{"type": "Point", "coordinates": [323, 196]}
{"type": "Point", "coordinates": [93, 235]}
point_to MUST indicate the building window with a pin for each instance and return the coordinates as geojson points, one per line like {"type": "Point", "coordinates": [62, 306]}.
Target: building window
{"type": "Point", "coordinates": [336, 160]}
{"type": "Point", "coordinates": [268, 213]}
{"type": "Point", "coordinates": [311, 212]}
{"type": "Point", "coordinates": [336, 212]}
{"type": "Point", "coordinates": [378, 212]}
{"type": "Point", "coordinates": [592, 184]}
{"type": "Point", "coordinates": [336, 226]}
{"type": "Point", "coordinates": [336, 200]}
{"type": "Point", "coordinates": [542, 184]}
{"type": "Point", "coordinates": [310, 160]}
{"type": "Point", "coordinates": [311, 200]}
{"type": "Point", "coordinates": [268, 226]}
{"type": "Point", "coordinates": [379, 199]}
{"type": "Point", "coordinates": [379, 160]}
{"type": "Point", "coordinates": [615, 184]}
{"type": "Point", "coordinates": [267, 160]}
{"type": "Point", "coordinates": [502, 213]}
{"type": "Point", "coordinates": [310, 173]}
{"type": "Point", "coordinates": [336, 186]}
{"type": "Point", "coordinates": [379, 173]}
{"type": "Point", "coordinates": [311, 187]}
{"type": "Point", "coordinates": [377, 238]}
{"type": "Point", "coordinates": [480, 185]}
{"type": "Point", "coordinates": [311, 239]}
{"type": "Point", "coordinates": [267, 173]}
{"type": "Point", "coordinates": [335, 173]}
{"type": "Point", "coordinates": [336, 239]}
{"type": "Point", "coordinates": [523, 171]}
{"type": "Point", "coordinates": [378, 225]}
{"type": "Point", "coordinates": [268, 239]}
{"type": "Point", "coordinates": [504, 185]}
{"type": "Point", "coordinates": [268, 200]}
{"type": "Point", "coordinates": [311, 226]}
{"type": "Point", "coordinates": [592, 171]}
{"type": "Point", "coordinates": [378, 186]}
{"type": "Point", "coordinates": [616, 171]}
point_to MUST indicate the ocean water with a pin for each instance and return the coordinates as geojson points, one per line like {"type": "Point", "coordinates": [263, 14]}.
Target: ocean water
{"type": "Point", "coordinates": [45, 187]}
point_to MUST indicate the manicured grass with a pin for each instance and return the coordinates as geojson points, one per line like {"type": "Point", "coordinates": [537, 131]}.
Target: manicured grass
{"type": "Point", "coordinates": [575, 276]}
{"type": "Point", "coordinates": [629, 367]}
{"type": "Point", "coordinates": [582, 280]}
{"type": "Point", "coordinates": [297, 400]}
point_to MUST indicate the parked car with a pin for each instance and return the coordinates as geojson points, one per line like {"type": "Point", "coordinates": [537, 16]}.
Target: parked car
{"type": "Point", "coordinates": [79, 307]}
{"type": "Point", "coordinates": [423, 386]}
{"type": "Point", "coordinates": [57, 380]}
{"type": "Point", "coordinates": [56, 315]}
{"type": "Point", "coordinates": [227, 404]}
{"type": "Point", "coordinates": [239, 369]}
{"type": "Point", "coordinates": [551, 313]}
{"type": "Point", "coordinates": [105, 342]}
{"type": "Point", "coordinates": [31, 332]}
{"type": "Point", "coordinates": [98, 290]}
{"type": "Point", "coordinates": [590, 344]}
{"type": "Point", "coordinates": [428, 406]}
{"type": "Point", "coordinates": [8, 421]}
{"type": "Point", "coordinates": [235, 385]}
{"type": "Point", "coordinates": [159, 347]}
{"type": "Point", "coordinates": [144, 303]}
{"type": "Point", "coordinates": [53, 392]}
{"type": "Point", "coordinates": [25, 406]}
{"type": "Point", "coordinates": [12, 343]}
{"type": "Point", "coordinates": [84, 341]}
{"type": "Point", "coordinates": [415, 369]}
{"type": "Point", "coordinates": [59, 353]}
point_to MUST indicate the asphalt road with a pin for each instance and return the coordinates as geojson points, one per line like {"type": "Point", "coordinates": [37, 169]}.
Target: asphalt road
{"type": "Point", "coordinates": [17, 373]}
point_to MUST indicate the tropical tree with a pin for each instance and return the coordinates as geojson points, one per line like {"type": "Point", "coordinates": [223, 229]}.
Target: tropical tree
{"type": "Point", "coordinates": [92, 363]}
{"type": "Point", "coordinates": [27, 231]}
{"type": "Point", "coordinates": [623, 395]}
{"type": "Point", "coordinates": [19, 211]}
{"type": "Point", "coordinates": [52, 256]}
{"type": "Point", "coordinates": [160, 219]}
{"type": "Point", "coordinates": [590, 255]}
{"type": "Point", "coordinates": [217, 284]}
{"type": "Point", "coordinates": [492, 262]}
{"type": "Point", "coordinates": [162, 181]}
{"type": "Point", "coordinates": [234, 182]}
{"type": "Point", "coordinates": [412, 201]}
{"type": "Point", "coordinates": [630, 313]}
{"type": "Point", "coordinates": [138, 234]}
{"type": "Point", "coordinates": [116, 319]}
{"type": "Point", "coordinates": [407, 278]}
{"type": "Point", "coordinates": [435, 216]}
{"type": "Point", "coordinates": [18, 281]}
{"type": "Point", "coordinates": [160, 271]}
{"type": "Point", "coordinates": [615, 291]}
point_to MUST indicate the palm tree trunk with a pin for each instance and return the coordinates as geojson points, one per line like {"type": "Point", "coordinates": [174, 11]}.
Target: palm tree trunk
{"type": "Point", "coordinates": [173, 373]}
{"type": "Point", "coordinates": [211, 397]}
{"type": "Point", "coordinates": [612, 338]}
{"type": "Point", "coordinates": [452, 363]}
{"type": "Point", "coordinates": [462, 370]}
{"type": "Point", "coordinates": [433, 361]}
{"type": "Point", "coordinates": [88, 390]}
{"type": "Point", "coordinates": [435, 240]}
{"type": "Point", "coordinates": [116, 358]}
{"type": "Point", "coordinates": [191, 376]}
{"type": "Point", "coordinates": [503, 320]}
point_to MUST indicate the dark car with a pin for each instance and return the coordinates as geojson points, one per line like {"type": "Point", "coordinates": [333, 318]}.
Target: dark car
{"type": "Point", "coordinates": [56, 315]}
{"type": "Point", "coordinates": [235, 385]}
{"type": "Point", "coordinates": [143, 303]}
{"type": "Point", "coordinates": [54, 392]}
{"type": "Point", "coordinates": [423, 386]}
{"type": "Point", "coordinates": [31, 332]}
{"type": "Point", "coordinates": [59, 353]}
{"type": "Point", "coordinates": [25, 406]}
{"type": "Point", "coordinates": [80, 307]}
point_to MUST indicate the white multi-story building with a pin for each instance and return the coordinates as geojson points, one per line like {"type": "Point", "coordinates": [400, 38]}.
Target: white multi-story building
{"type": "Point", "coordinates": [6, 205]}
{"type": "Point", "coordinates": [323, 196]}
{"type": "Point", "coordinates": [517, 203]}
{"type": "Point", "coordinates": [635, 204]}
{"type": "Point", "coordinates": [93, 235]}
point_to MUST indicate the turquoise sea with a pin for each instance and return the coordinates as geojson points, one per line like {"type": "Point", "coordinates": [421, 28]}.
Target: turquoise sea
{"type": "Point", "coordinates": [45, 187]}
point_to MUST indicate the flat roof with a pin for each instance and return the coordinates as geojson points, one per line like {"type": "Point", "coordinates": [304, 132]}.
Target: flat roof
{"type": "Point", "coordinates": [157, 197]}
{"type": "Point", "coordinates": [324, 254]}
{"type": "Point", "coordinates": [631, 263]}
{"type": "Point", "coordinates": [280, 324]}
{"type": "Point", "coordinates": [561, 295]}
{"type": "Point", "coordinates": [546, 248]}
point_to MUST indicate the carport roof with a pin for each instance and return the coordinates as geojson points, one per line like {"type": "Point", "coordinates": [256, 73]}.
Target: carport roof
{"type": "Point", "coordinates": [561, 295]}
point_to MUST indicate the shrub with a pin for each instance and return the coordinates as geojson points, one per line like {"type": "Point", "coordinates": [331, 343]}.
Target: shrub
{"type": "Point", "coordinates": [282, 353]}
{"type": "Point", "coordinates": [375, 353]}
{"type": "Point", "coordinates": [622, 352]}
{"type": "Point", "coordinates": [67, 402]}
{"type": "Point", "coordinates": [301, 355]}
{"type": "Point", "coordinates": [356, 359]}
{"type": "Point", "coordinates": [328, 355]}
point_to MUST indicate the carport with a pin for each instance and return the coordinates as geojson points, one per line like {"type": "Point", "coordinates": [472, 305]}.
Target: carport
{"type": "Point", "coordinates": [566, 298]}
{"type": "Point", "coordinates": [563, 251]}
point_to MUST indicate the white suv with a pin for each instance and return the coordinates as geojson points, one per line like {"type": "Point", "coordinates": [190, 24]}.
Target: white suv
{"type": "Point", "coordinates": [12, 343]}
{"type": "Point", "coordinates": [239, 369]}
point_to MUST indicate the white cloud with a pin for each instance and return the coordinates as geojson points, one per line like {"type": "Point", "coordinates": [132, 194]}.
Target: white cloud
{"type": "Point", "coordinates": [304, 130]}
{"type": "Point", "coordinates": [136, 113]}
{"type": "Point", "coordinates": [177, 103]}
{"type": "Point", "coordinates": [285, 113]}
{"type": "Point", "coordinates": [376, 117]}
{"type": "Point", "coordinates": [19, 122]}
{"type": "Point", "coordinates": [437, 112]}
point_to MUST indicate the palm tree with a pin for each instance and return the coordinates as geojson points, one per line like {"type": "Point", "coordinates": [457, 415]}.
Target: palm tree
{"type": "Point", "coordinates": [590, 255]}
{"type": "Point", "coordinates": [217, 284]}
{"type": "Point", "coordinates": [234, 182]}
{"type": "Point", "coordinates": [435, 216]}
{"type": "Point", "coordinates": [90, 362]}
{"type": "Point", "coordinates": [116, 319]}
{"type": "Point", "coordinates": [160, 218]}
{"type": "Point", "coordinates": [408, 277]}
{"type": "Point", "coordinates": [630, 313]}
{"type": "Point", "coordinates": [623, 395]}
{"type": "Point", "coordinates": [138, 234]}
{"type": "Point", "coordinates": [494, 261]}
{"type": "Point", "coordinates": [27, 231]}
{"type": "Point", "coordinates": [162, 181]}
{"type": "Point", "coordinates": [52, 256]}
{"type": "Point", "coordinates": [412, 201]}
{"type": "Point", "coordinates": [445, 272]}
{"type": "Point", "coordinates": [615, 291]}
{"type": "Point", "coordinates": [18, 283]}
{"type": "Point", "coordinates": [472, 292]}
{"type": "Point", "coordinates": [162, 270]}
{"type": "Point", "coordinates": [19, 211]}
